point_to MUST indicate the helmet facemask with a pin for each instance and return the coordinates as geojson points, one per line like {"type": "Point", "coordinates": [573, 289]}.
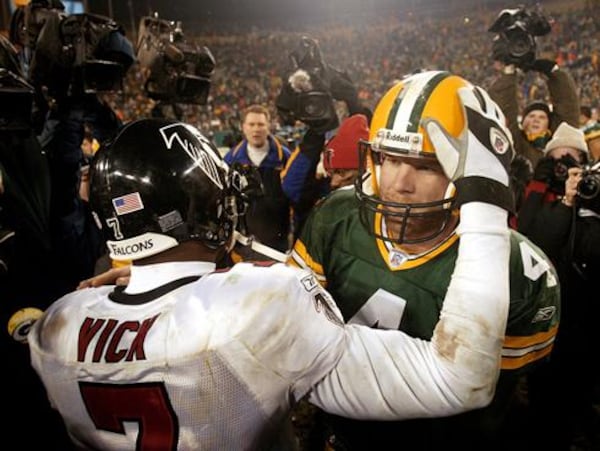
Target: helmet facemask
{"type": "Point", "coordinates": [430, 217]}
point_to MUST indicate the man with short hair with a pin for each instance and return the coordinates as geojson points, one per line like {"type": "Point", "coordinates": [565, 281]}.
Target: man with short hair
{"type": "Point", "coordinates": [268, 217]}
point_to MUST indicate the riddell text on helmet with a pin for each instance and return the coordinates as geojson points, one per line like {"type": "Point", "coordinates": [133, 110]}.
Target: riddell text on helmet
{"type": "Point", "coordinates": [390, 138]}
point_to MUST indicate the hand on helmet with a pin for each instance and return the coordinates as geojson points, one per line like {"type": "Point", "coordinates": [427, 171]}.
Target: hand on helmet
{"type": "Point", "coordinates": [478, 161]}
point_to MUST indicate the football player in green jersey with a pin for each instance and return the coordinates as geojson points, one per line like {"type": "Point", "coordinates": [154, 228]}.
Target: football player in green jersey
{"type": "Point", "coordinates": [386, 250]}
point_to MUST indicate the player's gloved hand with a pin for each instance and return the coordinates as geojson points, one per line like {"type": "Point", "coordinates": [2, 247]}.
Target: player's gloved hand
{"type": "Point", "coordinates": [478, 161]}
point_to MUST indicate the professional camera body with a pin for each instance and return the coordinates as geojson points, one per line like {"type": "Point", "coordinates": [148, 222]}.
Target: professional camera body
{"type": "Point", "coordinates": [588, 189]}
{"type": "Point", "coordinates": [75, 54]}
{"type": "Point", "coordinates": [560, 172]}
{"type": "Point", "coordinates": [178, 71]}
{"type": "Point", "coordinates": [516, 30]}
{"type": "Point", "coordinates": [311, 88]}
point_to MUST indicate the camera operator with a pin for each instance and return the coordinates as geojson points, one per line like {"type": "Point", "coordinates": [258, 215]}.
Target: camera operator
{"type": "Point", "coordinates": [27, 275]}
{"type": "Point", "coordinates": [514, 53]}
{"type": "Point", "coordinates": [561, 214]}
{"type": "Point", "coordinates": [311, 88]}
{"type": "Point", "coordinates": [73, 59]}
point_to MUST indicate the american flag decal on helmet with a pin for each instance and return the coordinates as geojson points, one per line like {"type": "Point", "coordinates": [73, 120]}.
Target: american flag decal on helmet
{"type": "Point", "coordinates": [128, 203]}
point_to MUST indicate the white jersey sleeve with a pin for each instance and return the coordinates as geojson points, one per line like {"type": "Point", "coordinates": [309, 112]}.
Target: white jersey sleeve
{"type": "Point", "coordinates": [387, 375]}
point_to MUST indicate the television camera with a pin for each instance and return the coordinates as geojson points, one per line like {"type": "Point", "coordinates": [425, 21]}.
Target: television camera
{"type": "Point", "coordinates": [310, 90]}
{"type": "Point", "coordinates": [73, 54]}
{"type": "Point", "coordinates": [178, 71]}
{"type": "Point", "coordinates": [516, 31]}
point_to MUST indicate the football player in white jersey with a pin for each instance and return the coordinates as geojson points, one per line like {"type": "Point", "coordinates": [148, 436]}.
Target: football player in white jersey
{"type": "Point", "coordinates": [188, 356]}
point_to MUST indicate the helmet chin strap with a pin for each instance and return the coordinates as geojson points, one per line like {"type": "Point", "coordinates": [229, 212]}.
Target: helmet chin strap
{"type": "Point", "coordinates": [450, 193]}
{"type": "Point", "coordinates": [258, 247]}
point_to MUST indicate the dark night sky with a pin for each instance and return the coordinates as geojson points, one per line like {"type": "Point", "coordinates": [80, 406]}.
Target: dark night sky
{"type": "Point", "coordinates": [281, 14]}
{"type": "Point", "coordinates": [259, 13]}
{"type": "Point", "coordinates": [249, 11]}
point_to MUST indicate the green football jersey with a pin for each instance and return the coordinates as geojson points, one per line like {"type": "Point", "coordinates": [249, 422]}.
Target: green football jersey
{"type": "Point", "coordinates": [375, 283]}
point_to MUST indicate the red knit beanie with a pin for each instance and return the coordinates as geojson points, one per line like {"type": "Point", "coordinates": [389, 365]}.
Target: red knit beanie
{"type": "Point", "coordinates": [341, 152]}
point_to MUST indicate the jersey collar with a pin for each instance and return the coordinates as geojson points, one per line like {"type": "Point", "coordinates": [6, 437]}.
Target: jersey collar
{"type": "Point", "coordinates": [148, 277]}
{"type": "Point", "coordinates": [397, 259]}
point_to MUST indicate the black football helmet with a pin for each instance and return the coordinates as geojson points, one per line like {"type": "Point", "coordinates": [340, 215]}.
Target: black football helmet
{"type": "Point", "coordinates": [160, 183]}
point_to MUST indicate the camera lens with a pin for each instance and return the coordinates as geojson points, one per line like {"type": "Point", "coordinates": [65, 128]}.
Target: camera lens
{"type": "Point", "coordinates": [589, 186]}
{"type": "Point", "coordinates": [561, 171]}
{"type": "Point", "coordinates": [520, 42]}
{"type": "Point", "coordinates": [315, 108]}
{"type": "Point", "coordinates": [315, 105]}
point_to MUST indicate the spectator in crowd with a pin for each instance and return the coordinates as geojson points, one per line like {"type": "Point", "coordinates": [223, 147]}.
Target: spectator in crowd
{"type": "Point", "coordinates": [585, 117]}
{"type": "Point", "coordinates": [269, 216]}
{"type": "Point", "coordinates": [250, 341]}
{"type": "Point", "coordinates": [340, 158]}
{"type": "Point", "coordinates": [538, 118]}
{"type": "Point", "coordinates": [592, 138]}
{"type": "Point", "coordinates": [384, 251]}
{"type": "Point", "coordinates": [567, 229]}
{"type": "Point", "coordinates": [303, 180]}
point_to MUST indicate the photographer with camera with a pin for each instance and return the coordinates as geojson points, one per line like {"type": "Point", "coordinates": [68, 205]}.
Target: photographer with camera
{"type": "Point", "coordinates": [561, 214]}
{"type": "Point", "coordinates": [514, 53]}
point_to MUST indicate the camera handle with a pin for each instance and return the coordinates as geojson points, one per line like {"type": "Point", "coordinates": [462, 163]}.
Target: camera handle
{"type": "Point", "coordinates": [308, 56]}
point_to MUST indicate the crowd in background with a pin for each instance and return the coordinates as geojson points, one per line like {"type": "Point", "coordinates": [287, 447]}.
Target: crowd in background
{"type": "Point", "coordinates": [375, 52]}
